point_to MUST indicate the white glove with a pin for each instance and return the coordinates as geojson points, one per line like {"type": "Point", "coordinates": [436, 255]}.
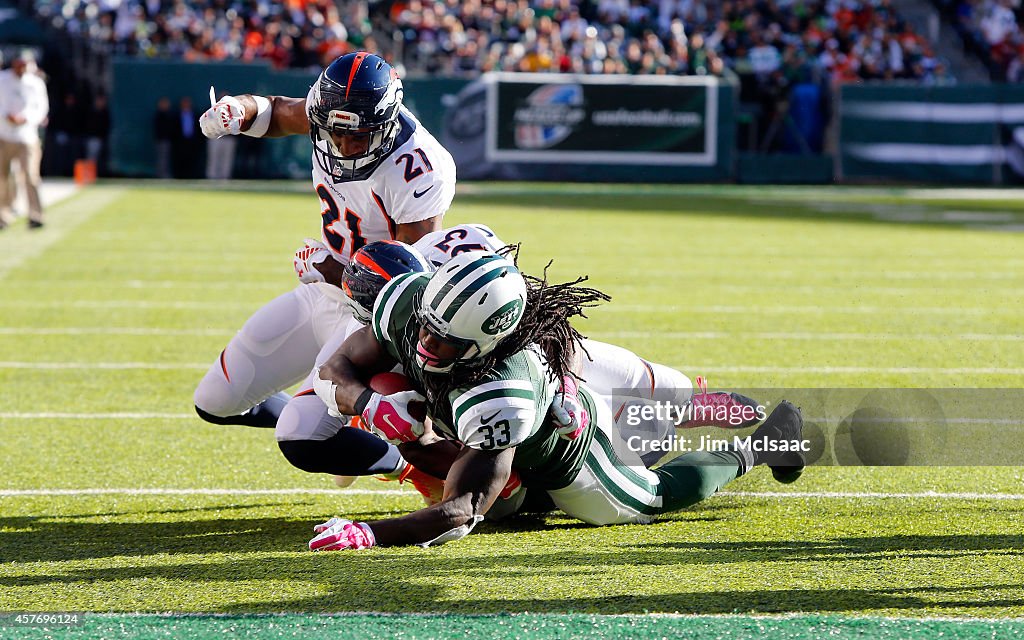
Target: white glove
{"type": "Point", "coordinates": [222, 119]}
{"type": "Point", "coordinates": [306, 258]}
{"type": "Point", "coordinates": [388, 417]}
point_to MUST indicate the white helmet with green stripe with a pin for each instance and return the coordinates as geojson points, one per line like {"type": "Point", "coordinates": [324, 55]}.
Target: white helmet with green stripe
{"type": "Point", "coordinates": [472, 301]}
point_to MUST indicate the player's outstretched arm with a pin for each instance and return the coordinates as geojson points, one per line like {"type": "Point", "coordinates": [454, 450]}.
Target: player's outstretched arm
{"type": "Point", "coordinates": [255, 116]}
{"type": "Point", "coordinates": [474, 482]}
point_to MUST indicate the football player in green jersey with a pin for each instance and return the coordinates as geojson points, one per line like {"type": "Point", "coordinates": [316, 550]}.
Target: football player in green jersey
{"type": "Point", "coordinates": [471, 337]}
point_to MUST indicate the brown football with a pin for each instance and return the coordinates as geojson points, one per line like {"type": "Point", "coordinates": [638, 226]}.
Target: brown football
{"type": "Point", "coordinates": [391, 382]}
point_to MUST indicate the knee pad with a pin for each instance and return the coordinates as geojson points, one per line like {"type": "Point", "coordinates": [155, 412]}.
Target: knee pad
{"type": "Point", "coordinates": [670, 385]}
{"type": "Point", "coordinates": [305, 417]}
{"type": "Point", "coordinates": [222, 392]}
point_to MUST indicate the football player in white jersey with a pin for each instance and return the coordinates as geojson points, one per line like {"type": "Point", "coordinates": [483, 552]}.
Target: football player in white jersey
{"type": "Point", "coordinates": [378, 174]}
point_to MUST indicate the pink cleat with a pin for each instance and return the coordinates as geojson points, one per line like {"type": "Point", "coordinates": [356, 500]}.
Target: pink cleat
{"type": "Point", "coordinates": [721, 409]}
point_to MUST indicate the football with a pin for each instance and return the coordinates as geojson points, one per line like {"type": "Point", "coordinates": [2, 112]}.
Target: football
{"type": "Point", "coordinates": [391, 382]}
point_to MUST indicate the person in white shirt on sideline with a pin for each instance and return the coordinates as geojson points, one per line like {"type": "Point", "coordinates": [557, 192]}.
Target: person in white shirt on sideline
{"type": "Point", "coordinates": [24, 106]}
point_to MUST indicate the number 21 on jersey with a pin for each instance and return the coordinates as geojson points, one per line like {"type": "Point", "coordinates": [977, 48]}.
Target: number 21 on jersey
{"type": "Point", "coordinates": [336, 231]}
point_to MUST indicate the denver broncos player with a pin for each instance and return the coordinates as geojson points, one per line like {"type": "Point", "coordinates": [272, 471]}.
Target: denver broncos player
{"type": "Point", "coordinates": [378, 174]}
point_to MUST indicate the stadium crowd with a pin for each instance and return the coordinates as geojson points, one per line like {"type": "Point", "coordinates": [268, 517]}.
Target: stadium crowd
{"type": "Point", "coordinates": [991, 30]}
{"type": "Point", "coordinates": [838, 40]}
{"type": "Point", "coordinates": [293, 33]}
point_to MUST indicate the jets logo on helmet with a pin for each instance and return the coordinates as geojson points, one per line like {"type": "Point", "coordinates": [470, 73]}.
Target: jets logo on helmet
{"type": "Point", "coordinates": [503, 318]}
{"type": "Point", "coordinates": [359, 95]}
{"type": "Point", "coordinates": [472, 302]}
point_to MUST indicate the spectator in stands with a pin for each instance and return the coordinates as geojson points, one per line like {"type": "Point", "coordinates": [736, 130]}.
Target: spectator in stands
{"type": "Point", "coordinates": [97, 131]}
{"type": "Point", "coordinates": [187, 144]}
{"type": "Point", "coordinates": [24, 105]}
{"type": "Point", "coordinates": [66, 131]}
{"type": "Point", "coordinates": [165, 128]}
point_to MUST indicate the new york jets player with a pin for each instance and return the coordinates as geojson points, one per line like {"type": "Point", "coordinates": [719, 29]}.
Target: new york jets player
{"type": "Point", "coordinates": [378, 174]}
{"type": "Point", "coordinates": [471, 336]}
{"type": "Point", "coordinates": [608, 369]}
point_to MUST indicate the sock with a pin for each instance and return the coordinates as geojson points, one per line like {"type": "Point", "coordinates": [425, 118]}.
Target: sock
{"type": "Point", "coordinates": [350, 452]}
{"type": "Point", "coordinates": [264, 415]}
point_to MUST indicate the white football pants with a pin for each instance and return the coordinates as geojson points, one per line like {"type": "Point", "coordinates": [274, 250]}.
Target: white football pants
{"type": "Point", "coordinates": [278, 346]}
{"type": "Point", "coordinates": [624, 377]}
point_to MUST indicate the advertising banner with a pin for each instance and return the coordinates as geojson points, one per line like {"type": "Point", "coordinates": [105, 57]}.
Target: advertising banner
{"type": "Point", "coordinates": [636, 120]}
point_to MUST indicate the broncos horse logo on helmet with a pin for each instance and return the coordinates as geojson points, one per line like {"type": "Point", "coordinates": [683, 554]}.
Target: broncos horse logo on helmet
{"type": "Point", "coordinates": [374, 266]}
{"type": "Point", "coordinates": [360, 95]}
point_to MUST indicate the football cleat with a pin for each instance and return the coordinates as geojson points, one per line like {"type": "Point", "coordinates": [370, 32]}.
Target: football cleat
{"type": "Point", "coordinates": [785, 425]}
{"type": "Point", "coordinates": [429, 487]}
{"type": "Point", "coordinates": [721, 409]}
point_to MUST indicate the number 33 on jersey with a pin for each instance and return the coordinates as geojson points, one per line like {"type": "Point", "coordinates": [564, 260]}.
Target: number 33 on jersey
{"type": "Point", "coordinates": [416, 181]}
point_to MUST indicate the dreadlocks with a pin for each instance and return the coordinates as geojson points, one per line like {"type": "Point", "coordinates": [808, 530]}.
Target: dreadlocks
{"type": "Point", "coordinates": [545, 323]}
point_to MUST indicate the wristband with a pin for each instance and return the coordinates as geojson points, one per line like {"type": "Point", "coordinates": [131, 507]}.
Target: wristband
{"type": "Point", "coordinates": [369, 533]}
{"type": "Point", "coordinates": [364, 399]}
{"type": "Point", "coordinates": [261, 124]}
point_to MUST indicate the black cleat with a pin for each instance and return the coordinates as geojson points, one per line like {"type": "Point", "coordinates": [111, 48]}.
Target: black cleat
{"type": "Point", "coordinates": [35, 224]}
{"type": "Point", "coordinates": [784, 428]}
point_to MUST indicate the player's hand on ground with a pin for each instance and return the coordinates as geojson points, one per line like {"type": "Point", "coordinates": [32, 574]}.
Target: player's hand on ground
{"type": "Point", "coordinates": [338, 533]}
{"type": "Point", "coordinates": [307, 257]}
{"type": "Point", "coordinates": [568, 412]}
{"type": "Point", "coordinates": [391, 418]}
{"type": "Point", "coordinates": [224, 118]}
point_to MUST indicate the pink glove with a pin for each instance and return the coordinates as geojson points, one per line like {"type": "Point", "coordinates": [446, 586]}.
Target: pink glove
{"type": "Point", "coordinates": [389, 417]}
{"type": "Point", "coordinates": [338, 533]}
{"type": "Point", "coordinates": [568, 411]}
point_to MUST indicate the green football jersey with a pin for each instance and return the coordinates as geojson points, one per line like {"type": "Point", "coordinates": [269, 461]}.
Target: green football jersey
{"type": "Point", "coordinates": [508, 408]}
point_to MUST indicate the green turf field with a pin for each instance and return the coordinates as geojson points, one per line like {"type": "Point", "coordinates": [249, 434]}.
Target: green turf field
{"type": "Point", "coordinates": [115, 498]}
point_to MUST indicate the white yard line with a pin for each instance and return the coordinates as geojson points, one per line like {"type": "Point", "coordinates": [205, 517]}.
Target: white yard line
{"type": "Point", "coordinates": [774, 495]}
{"type": "Point", "coordinates": [1013, 371]}
{"type": "Point", "coordinates": [119, 415]}
{"type": "Point", "coordinates": [669, 335]}
{"type": "Point", "coordinates": [16, 250]}
{"type": "Point", "coordinates": [103, 365]}
{"type": "Point", "coordinates": [805, 335]}
{"type": "Point", "coordinates": [787, 309]}
{"type": "Point", "coordinates": [1010, 371]}
{"type": "Point", "coordinates": [110, 331]}
{"type": "Point", "coordinates": [611, 308]}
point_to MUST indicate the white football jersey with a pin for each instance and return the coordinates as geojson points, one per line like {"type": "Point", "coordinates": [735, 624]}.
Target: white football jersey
{"type": "Point", "coordinates": [438, 247]}
{"type": "Point", "coordinates": [414, 182]}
